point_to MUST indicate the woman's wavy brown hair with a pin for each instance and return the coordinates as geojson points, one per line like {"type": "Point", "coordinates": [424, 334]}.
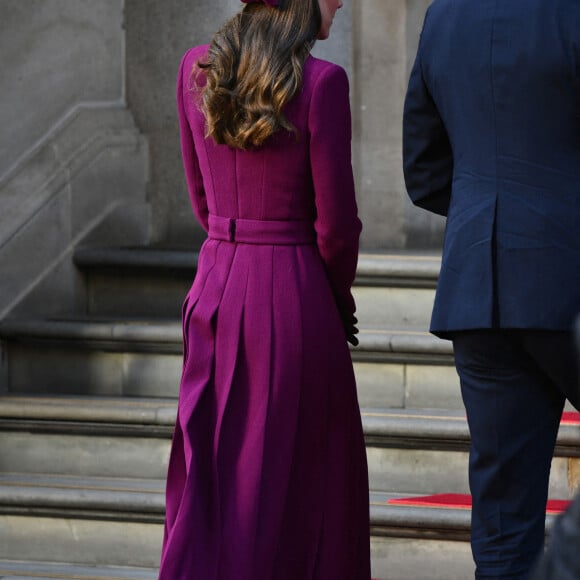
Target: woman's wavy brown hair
{"type": "Point", "coordinates": [254, 67]}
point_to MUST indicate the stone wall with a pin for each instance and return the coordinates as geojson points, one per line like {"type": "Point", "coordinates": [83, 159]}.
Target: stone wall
{"type": "Point", "coordinates": [71, 159]}
{"type": "Point", "coordinates": [55, 54]}
{"type": "Point", "coordinates": [385, 37]}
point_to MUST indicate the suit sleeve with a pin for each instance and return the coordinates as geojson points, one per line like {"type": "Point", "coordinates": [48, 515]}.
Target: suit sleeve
{"type": "Point", "coordinates": [337, 224]}
{"type": "Point", "coordinates": [427, 154]}
{"type": "Point", "coordinates": [189, 155]}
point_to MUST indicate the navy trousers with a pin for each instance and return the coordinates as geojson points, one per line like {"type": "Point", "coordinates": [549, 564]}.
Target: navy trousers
{"type": "Point", "coordinates": [514, 384]}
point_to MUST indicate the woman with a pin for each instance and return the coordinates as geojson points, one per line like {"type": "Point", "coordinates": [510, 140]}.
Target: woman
{"type": "Point", "coordinates": [267, 477]}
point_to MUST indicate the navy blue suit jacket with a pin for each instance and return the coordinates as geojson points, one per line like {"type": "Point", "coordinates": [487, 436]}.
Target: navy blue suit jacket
{"type": "Point", "coordinates": [491, 139]}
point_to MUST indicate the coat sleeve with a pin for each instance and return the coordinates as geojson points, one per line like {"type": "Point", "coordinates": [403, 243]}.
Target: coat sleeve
{"type": "Point", "coordinates": [560, 560]}
{"type": "Point", "coordinates": [427, 153]}
{"type": "Point", "coordinates": [337, 224]}
{"type": "Point", "coordinates": [189, 155]}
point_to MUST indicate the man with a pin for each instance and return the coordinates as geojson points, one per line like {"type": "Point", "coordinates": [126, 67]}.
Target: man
{"type": "Point", "coordinates": [491, 139]}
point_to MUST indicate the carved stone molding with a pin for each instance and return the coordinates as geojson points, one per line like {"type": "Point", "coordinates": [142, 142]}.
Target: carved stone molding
{"type": "Point", "coordinates": [88, 170]}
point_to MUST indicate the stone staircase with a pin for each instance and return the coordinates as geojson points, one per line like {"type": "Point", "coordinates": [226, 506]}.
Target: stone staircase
{"type": "Point", "coordinates": [88, 407]}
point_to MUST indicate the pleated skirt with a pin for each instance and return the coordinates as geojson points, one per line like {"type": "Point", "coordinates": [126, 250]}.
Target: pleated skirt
{"type": "Point", "coordinates": [267, 476]}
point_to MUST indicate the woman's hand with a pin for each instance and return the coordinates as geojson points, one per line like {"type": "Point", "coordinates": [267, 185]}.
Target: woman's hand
{"type": "Point", "coordinates": [349, 323]}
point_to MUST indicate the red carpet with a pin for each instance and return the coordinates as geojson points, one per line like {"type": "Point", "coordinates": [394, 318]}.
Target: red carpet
{"type": "Point", "coordinates": [571, 418]}
{"type": "Point", "coordinates": [463, 501]}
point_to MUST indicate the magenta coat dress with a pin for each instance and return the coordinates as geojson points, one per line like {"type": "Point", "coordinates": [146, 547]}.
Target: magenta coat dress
{"type": "Point", "coordinates": [267, 476]}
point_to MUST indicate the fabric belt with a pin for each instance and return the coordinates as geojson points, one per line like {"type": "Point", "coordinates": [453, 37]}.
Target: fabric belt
{"type": "Point", "coordinates": [267, 232]}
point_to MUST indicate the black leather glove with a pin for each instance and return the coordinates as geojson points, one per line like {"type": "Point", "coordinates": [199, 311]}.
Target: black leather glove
{"type": "Point", "coordinates": [349, 322]}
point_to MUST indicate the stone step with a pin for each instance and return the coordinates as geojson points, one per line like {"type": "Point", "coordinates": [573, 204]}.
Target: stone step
{"type": "Point", "coordinates": [83, 521]}
{"type": "Point", "coordinates": [424, 451]}
{"type": "Point", "coordinates": [51, 495]}
{"type": "Point", "coordinates": [393, 290]}
{"type": "Point", "coordinates": [396, 290]}
{"type": "Point", "coordinates": [398, 268]}
{"type": "Point", "coordinates": [136, 281]}
{"type": "Point", "coordinates": [394, 368]}
{"type": "Point", "coordinates": [418, 543]}
{"type": "Point", "coordinates": [416, 450]}
{"type": "Point", "coordinates": [98, 522]}
{"type": "Point", "coordinates": [29, 570]}
{"type": "Point", "coordinates": [86, 436]}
